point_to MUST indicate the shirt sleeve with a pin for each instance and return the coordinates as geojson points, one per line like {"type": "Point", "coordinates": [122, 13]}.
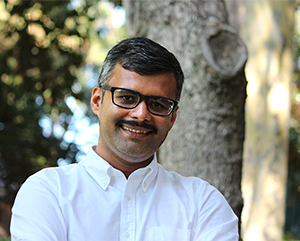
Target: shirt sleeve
{"type": "Point", "coordinates": [36, 215]}
{"type": "Point", "coordinates": [216, 221]}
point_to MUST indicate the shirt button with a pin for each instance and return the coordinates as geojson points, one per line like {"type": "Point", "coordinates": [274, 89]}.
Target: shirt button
{"type": "Point", "coordinates": [128, 198]}
{"type": "Point", "coordinates": [145, 185]}
{"type": "Point", "coordinates": [127, 235]}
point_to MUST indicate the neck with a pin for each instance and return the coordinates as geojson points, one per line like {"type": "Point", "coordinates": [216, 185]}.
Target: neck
{"type": "Point", "coordinates": [127, 166]}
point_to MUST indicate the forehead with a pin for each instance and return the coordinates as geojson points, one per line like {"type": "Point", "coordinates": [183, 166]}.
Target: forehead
{"type": "Point", "coordinates": [162, 84]}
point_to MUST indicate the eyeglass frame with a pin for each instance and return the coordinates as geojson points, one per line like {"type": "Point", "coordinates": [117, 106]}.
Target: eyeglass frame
{"type": "Point", "coordinates": [141, 98]}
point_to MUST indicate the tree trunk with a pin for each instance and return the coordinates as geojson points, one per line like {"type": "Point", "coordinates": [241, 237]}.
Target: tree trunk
{"type": "Point", "coordinates": [207, 140]}
{"type": "Point", "coordinates": [267, 28]}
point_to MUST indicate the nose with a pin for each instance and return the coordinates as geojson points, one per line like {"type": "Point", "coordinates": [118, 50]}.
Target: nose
{"type": "Point", "coordinates": [141, 112]}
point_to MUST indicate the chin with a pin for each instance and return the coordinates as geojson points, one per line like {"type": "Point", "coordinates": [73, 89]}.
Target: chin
{"type": "Point", "coordinates": [137, 157]}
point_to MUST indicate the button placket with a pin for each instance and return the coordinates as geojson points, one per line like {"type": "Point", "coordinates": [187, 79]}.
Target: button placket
{"type": "Point", "coordinates": [128, 214]}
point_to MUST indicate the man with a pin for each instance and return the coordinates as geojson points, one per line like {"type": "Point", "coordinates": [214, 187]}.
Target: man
{"type": "Point", "coordinates": [120, 192]}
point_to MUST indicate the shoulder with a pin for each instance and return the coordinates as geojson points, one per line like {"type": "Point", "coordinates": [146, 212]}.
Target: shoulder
{"type": "Point", "coordinates": [213, 214]}
{"type": "Point", "coordinates": [56, 172]}
{"type": "Point", "coordinates": [51, 177]}
{"type": "Point", "coordinates": [200, 191]}
{"type": "Point", "coordinates": [46, 186]}
{"type": "Point", "coordinates": [186, 182]}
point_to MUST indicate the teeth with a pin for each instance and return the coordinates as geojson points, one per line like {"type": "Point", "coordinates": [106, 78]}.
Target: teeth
{"type": "Point", "coordinates": [135, 131]}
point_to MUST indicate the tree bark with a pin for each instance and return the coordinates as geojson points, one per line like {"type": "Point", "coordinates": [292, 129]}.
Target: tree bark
{"type": "Point", "coordinates": [207, 140]}
{"type": "Point", "coordinates": [267, 28]}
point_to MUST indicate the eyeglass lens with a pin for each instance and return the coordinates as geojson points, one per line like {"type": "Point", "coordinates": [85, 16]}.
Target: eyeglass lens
{"type": "Point", "coordinates": [130, 99]}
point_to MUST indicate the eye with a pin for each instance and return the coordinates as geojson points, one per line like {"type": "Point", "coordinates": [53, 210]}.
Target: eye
{"type": "Point", "coordinates": [124, 97]}
{"type": "Point", "coordinates": [160, 104]}
{"type": "Point", "coordinates": [127, 97]}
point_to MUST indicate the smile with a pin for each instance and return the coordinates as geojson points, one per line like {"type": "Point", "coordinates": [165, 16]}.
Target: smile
{"type": "Point", "coordinates": [135, 131]}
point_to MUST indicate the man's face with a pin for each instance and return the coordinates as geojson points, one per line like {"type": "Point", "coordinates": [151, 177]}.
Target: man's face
{"type": "Point", "coordinates": [123, 133]}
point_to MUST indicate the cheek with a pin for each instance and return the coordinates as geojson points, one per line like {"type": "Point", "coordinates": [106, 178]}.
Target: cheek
{"type": "Point", "coordinates": [111, 113]}
{"type": "Point", "coordinates": [164, 126]}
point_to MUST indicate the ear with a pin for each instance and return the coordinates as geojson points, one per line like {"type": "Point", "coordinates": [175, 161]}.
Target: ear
{"type": "Point", "coordinates": [96, 100]}
{"type": "Point", "coordinates": [173, 117]}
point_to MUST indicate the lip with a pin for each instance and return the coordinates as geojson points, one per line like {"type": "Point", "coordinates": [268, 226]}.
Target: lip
{"type": "Point", "coordinates": [133, 127]}
{"type": "Point", "coordinates": [134, 130]}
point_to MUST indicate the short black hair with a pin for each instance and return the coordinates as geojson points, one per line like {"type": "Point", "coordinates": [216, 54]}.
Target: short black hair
{"type": "Point", "coordinates": [144, 57]}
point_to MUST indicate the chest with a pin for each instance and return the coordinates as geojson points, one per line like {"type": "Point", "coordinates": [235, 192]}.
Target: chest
{"type": "Point", "coordinates": [128, 212]}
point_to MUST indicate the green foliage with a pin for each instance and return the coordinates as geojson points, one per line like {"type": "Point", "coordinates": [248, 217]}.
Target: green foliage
{"type": "Point", "coordinates": [294, 146]}
{"type": "Point", "coordinates": [44, 46]}
{"type": "Point", "coordinates": [293, 185]}
{"type": "Point", "coordinates": [289, 237]}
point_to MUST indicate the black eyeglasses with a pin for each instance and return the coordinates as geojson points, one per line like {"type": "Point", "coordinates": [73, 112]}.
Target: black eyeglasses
{"type": "Point", "coordinates": [129, 99]}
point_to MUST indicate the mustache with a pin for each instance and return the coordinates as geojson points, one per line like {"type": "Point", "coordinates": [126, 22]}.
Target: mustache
{"type": "Point", "coordinates": [134, 123]}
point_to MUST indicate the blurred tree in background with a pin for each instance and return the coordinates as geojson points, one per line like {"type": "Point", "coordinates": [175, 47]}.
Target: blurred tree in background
{"type": "Point", "coordinates": [44, 49]}
{"type": "Point", "coordinates": [292, 225]}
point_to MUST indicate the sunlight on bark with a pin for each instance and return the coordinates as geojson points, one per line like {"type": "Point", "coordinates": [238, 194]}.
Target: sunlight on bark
{"type": "Point", "coordinates": [268, 73]}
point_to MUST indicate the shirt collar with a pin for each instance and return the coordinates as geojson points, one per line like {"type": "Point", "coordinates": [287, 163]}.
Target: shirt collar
{"type": "Point", "coordinates": [148, 173]}
{"type": "Point", "coordinates": [98, 168]}
{"type": "Point", "coordinates": [102, 171]}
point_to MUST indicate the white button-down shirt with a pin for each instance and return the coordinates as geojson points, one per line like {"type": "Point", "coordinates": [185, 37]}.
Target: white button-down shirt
{"type": "Point", "coordinates": [93, 201]}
